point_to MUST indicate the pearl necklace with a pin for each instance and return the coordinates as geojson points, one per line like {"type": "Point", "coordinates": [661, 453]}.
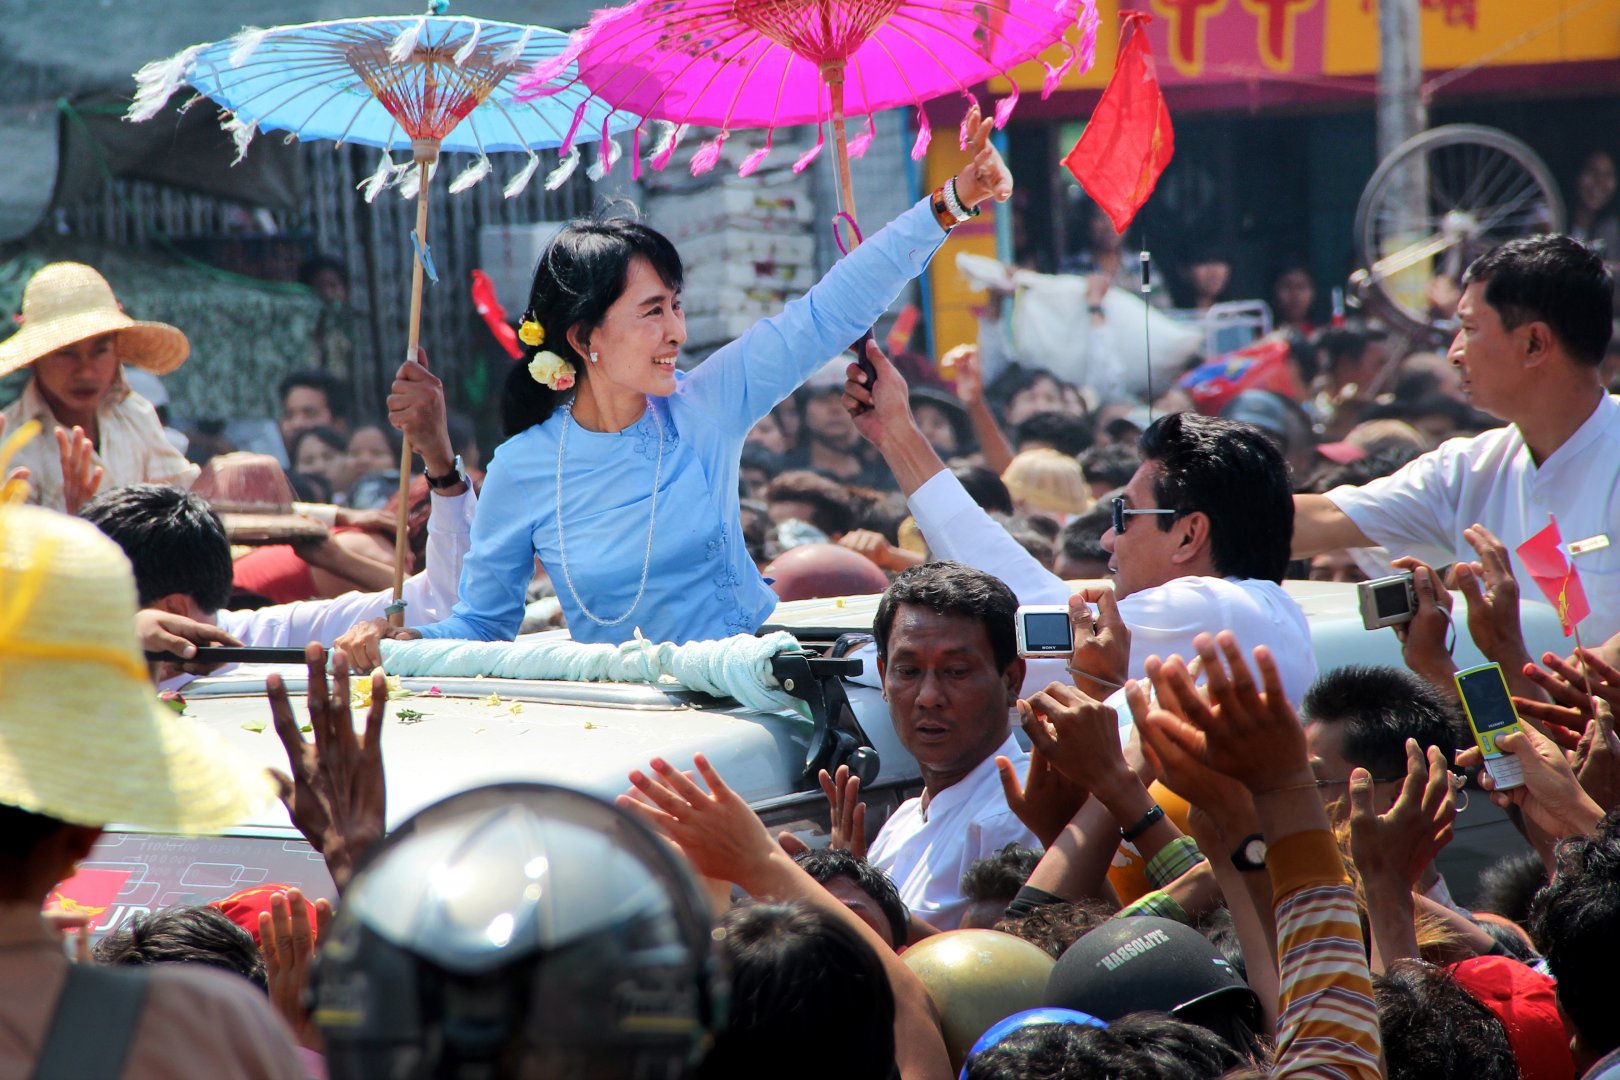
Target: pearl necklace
{"type": "Point", "coordinates": [652, 520]}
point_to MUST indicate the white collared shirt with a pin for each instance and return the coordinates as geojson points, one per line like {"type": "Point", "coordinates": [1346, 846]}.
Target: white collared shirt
{"type": "Point", "coordinates": [131, 446]}
{"type": "Point", "coordinates": [927, 851]}
{"type": "Point", "coordinates": [1422, 508]}
{"type": "Point", "coordinates": [1163, 620]}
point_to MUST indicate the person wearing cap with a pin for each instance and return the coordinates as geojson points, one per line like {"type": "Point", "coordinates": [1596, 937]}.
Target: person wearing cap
{"type": "Point", "coordinates": [84, 742]}
{"type": "Point", "coordinates": [1536, 318]}
{"type": "Point", "coordinates": [75, 337]}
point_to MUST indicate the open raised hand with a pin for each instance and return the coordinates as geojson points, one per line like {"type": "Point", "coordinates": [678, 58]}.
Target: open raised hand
{"type": "Point", "coordinates": [718, 832]}
{"type": "Point", "coordinates": [287, 941]}
{"type": "Point", "coordinates": [1396, 846]}
{"type": "Point", "coordinates": [1493, 599]}
{"type": "Point", "coordinates": [336, 795]}
{"type": "Point", "coordinates": [81, 476]}
{"type": "Point", "coordinates": [1046, 801]}
{"type": "Point", "coordinates": [846, 811]}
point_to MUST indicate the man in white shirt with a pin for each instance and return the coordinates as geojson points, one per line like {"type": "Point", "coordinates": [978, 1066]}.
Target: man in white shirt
{"type": "Point", "coordinates": [948, 657]}
{"type": "Point", "coordinates": [1536, 316]}
{"type": "Point", "coordinates": [182, 564]}
{"type": "Point", "coordinates": [1207, 521]}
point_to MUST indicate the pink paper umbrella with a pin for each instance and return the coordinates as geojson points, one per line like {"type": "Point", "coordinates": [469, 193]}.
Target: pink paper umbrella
{"type": "Point", "coordinates": [764, 63]}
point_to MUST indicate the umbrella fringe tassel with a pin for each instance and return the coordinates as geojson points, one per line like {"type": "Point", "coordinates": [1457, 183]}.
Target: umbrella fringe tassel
{"type": "Point", "coordinates": [925, 135]}
{"type": "Point", "coordinates": [512, 53]}
{"type": "Point", "coordinates": [247, 43]}
{"type": "Point", "coordinates": [860, 143]}
{"type": "Point", "coordinates": [708, 155]}
{"type": "Point", "coordinates": [664, 149]}
{"type": "Point", "coordinates": [410, 179]}
{"type": "Point", "coordinates": [1004, 108]}
{"type": "Point", "coordinates": [470, 175]}
{"type": "Point", "coordinates": [810, 155]}
{"type": "Point", "coordinates": [242, 135]}
{"type": "Point", "coordinates": [635, 153]}
{"type": "Point", "coordinates": [157, 82]}
{"type": "Point", "coordinates": [470, 44]}
{"type": "Point", "coordinates": [373, 185]}
{"type": "Point", "coordinates": [557, 177]}
{"type": "Point", "coordinates": [753, 161]}
{"type": "Point", "coordinates": [962, 134]}
{"type": "Point", "coordinates": [514, 187]}
{"type": "Point", "coordinates": [405, 44]}
{"type": "Point", "coordinates": [609, 153]}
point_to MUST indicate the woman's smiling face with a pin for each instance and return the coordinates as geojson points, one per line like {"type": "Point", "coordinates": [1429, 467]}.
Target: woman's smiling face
{"type": "Point", "coordinates": [641, 335]}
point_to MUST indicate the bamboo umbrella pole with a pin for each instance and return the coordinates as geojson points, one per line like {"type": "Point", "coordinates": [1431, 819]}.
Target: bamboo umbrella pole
{"type": "Point", "coordinates": [833, 74]}
{"type": "Point", "coordinates": [426, 152]}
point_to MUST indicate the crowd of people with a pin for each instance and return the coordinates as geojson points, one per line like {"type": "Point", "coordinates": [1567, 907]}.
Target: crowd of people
{"type": "Point", "coordinates": [1184, 851]}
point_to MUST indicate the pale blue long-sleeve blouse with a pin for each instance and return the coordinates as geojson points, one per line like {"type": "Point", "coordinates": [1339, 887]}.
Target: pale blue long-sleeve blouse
{"type": "Point", "coordinates": [700, 582]}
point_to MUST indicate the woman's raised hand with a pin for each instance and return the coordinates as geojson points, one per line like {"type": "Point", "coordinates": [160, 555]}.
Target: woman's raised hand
{"type": "Point", "coordinates": [986, 176]}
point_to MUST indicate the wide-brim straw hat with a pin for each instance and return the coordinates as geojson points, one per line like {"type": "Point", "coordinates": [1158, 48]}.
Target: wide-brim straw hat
{"type": "Point", "coordinates": [253, 497]}
{"type": "Point", "coordinates": [83, 737]}
{"type": "Point", "coordinates": [67, 302]}
{"type": "Point", "coordinates": [1048, 480]}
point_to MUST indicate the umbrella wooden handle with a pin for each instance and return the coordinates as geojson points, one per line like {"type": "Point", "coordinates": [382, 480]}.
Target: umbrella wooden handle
{"type": "Point", "coordinates": [426, 155]}
{"type": "Point", "coordinates": [833, 73]}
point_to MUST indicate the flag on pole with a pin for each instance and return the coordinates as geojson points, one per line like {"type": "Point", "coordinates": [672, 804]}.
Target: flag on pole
{"type": "Point", "coordinates": [1128, 141]}
{"type": "Point", "coordinates": [1543, 557]}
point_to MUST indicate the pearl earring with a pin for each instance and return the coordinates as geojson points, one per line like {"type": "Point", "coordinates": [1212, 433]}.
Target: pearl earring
{"type": "Point", "coordinates": [594, 358]}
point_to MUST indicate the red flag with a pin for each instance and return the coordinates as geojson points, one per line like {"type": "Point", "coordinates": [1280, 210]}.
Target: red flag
{"type": "Point", "coordinates": [1128, 141]}
{"type": "Point", "coordinates": [1543, 557]}
{"type": "Point", "coordinates": [88, 894]}
{"type": "Point", "coordinates": [494, 316]}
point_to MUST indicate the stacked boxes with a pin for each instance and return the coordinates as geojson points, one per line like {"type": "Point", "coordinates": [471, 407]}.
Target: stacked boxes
{"type": "Point", "coordinates": [747, 242]}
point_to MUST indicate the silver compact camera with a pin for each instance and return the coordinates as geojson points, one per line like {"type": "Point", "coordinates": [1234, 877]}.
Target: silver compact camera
{"type": "Point", "coordinates": [1387, 601]}
{"type": "Point", "coordinates": [1044, 630]}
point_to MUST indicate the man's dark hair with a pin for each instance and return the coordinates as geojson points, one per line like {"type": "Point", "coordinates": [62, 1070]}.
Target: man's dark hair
{"type": "Point", "coordinates": [175, 542]}
{"type": "Point", "coordinates": [1081, 538]}
{"type": "Point", "coordinates": [1378, 708]}
{"type": "Point", "coordinates": [337, 395]}
{"type": "Point", "coordinates": [1575, 922]}
{"type": "Point", "coordinates": [1433, 1029]}
{"type": "Point", "coordinates": [185, 934]}
{"type": "Point", "coordinates": [1236, 476]}
{"type": "Point", "coordinates": [1113, 464]}
{"type": "Point", "coordinates": [1064, 433]}
{"type": "Point", "coordinates": [831, 510]}
{"type": "Point", "coordinates": [985, 488]}
{"type": "Point", "coordinates": [827, 864]}
{"type": "Point", "coordinates": [1509, 885]}
{"type": "Point", "coordinates": [796, 970]}
{"type": "Point", "coordinates": [1347, 343]}
{"type": "Point", "coordinates": [1553, 279]}
{"type": "Point", "coordinates": [1054, 927]}
{"type": "Point", "coordinates": [999, 876]}
{"type": "Point", "coordinates": [1143, 1046]}
{"type": "Point", "coordinates": [949, 588]}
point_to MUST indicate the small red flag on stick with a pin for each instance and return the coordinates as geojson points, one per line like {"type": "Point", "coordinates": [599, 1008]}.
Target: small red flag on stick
{"type": "Point", "coordinates": [1128, 141]}
{"type": "Point", "coordinates": [1543, 557]}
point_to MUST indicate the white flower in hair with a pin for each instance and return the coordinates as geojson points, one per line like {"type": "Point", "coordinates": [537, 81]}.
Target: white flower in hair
{"type": "Point", "coordinates": [549, 369]}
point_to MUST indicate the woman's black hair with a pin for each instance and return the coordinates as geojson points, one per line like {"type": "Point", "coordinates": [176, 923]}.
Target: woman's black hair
{"type": "Point", "coordinates": [330, 436]}
{"type": "Point", "coordinates": [580, 275]}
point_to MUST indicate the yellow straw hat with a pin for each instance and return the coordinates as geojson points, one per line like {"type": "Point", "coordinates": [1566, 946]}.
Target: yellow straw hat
{"type": "Point", "coordinates": [67, 302]}
{"type": "Point", "coordinates": [1048, 480]}
{"type": "Point", "coordinates": [83, 737]}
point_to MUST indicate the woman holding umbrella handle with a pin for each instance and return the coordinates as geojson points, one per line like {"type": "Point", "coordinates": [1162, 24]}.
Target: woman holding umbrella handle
{"type": "Point", "coordinates": [620, 473]}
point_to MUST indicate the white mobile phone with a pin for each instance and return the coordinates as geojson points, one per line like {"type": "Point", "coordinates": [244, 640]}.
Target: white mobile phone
{"type": "Point", "coordinates": [1489, 705]}
{"type": "Point", "coordinates": [1044, 631]}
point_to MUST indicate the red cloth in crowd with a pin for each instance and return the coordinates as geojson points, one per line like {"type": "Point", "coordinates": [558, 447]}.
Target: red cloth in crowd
{"type": "Point", "coordinates": [1522, 998]}
{"type": "Point", "coordinates": [1128, 141]}
{"type": "Point", "coordinates": [243, 908]}
{"type": "Point", "coordinates": [275, 572]}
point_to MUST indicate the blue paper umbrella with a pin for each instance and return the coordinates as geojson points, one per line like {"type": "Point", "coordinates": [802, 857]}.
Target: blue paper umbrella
{"type": "Point", "coordinates": [415, 85]}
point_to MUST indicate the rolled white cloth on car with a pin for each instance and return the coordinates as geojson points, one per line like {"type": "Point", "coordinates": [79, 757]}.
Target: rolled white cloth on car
{"type": "Point", "coordinates": [736, 667]}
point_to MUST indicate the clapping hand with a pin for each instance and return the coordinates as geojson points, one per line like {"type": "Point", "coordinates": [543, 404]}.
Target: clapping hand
{"type": "Point", "coordinates": [1396, 846]}
{"type": "Point", "coordinates": [336, 795]}
{"type": "Point", "coordinates": [846, 811]}
{"type": "Point", "coordinates": [287, 942]}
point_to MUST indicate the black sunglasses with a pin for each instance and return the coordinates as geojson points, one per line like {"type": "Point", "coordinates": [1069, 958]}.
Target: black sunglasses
{"type": "Point", "coordinates": [1121, 513]}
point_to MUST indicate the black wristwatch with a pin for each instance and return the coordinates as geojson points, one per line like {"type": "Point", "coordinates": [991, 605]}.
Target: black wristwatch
{"type": "Point", "coordinates": [451, 479]}
{"type": "Point", "coordinates": [1251, 853]}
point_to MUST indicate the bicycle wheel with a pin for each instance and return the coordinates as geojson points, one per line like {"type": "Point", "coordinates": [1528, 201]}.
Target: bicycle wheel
{"type": "Point", "coordinates": [1442, 199]}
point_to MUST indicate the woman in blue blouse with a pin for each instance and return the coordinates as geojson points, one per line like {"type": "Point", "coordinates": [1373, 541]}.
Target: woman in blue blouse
{"type": "Point", "coordinates": [620, 473]}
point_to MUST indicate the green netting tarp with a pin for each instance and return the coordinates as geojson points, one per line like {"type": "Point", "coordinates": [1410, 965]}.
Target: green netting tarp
{"type": "Point", "coordinates": [244, 336]}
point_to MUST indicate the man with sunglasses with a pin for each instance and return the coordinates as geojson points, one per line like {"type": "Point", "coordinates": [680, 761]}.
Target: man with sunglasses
{"type": "Point", "coordinates": [1199, 541]}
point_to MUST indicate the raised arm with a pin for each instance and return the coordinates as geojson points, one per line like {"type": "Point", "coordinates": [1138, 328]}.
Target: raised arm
{"type": "Point", "coordinates": [744, 380]}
